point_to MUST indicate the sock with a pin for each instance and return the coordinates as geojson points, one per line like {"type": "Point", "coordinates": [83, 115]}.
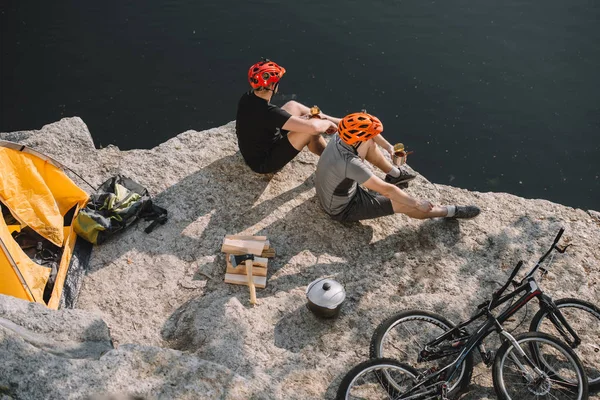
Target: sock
{"type": "Point", "coordinates": [451, 211]}
{"type": "Point", "coordinates": [394, 172]}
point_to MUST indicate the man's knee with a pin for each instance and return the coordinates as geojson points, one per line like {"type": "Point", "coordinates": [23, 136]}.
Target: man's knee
{"type": "Point", "coordinates": [290, 105]}
{"type": "Point", "coordinates": [293, 107]}
{"type": "Point", "coordinates": [299, 140]}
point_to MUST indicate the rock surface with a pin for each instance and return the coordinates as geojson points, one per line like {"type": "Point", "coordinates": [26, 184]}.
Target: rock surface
{"type": "Point", "coordinates": [179, 332]}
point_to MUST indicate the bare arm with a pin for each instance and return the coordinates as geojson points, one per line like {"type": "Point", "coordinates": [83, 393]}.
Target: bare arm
{"type": "Point", "coordinates": [300, 110]}
{"type": "Point", "coordinates": [332, 119]}
{"type": "Point", "coordinates": [395, 194]}
{"type": "Point", "coordinates": [313, 126]}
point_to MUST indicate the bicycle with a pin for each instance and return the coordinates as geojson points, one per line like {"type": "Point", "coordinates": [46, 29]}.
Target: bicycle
{"type": "Point", "coordinates": [389, 337]}
{"type": "Point", "coordinates": [531, 364]}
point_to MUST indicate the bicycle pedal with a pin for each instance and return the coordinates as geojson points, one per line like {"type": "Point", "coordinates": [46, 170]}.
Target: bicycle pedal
{"type": "Point", "coordinates": [488, 358]}
{"type": "Point", "coordinates": [444, 394]}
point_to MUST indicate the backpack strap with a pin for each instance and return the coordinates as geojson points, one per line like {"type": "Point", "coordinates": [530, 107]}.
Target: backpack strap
{"type": "Point", "coordinates": [156, 214]}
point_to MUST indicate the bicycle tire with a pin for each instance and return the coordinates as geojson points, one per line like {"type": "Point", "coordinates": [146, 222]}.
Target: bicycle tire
{"type": "Point", "coordinates": [584, 318]}
{"type": "Point", "coordinates": [560, 365]}
{"type": "Point", "coordinates": [385, 343]}
{"type": "Point", "coordinates": [375, 379]}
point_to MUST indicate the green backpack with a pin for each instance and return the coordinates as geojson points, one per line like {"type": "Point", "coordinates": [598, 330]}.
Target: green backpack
{"type": "Point", "coordinates": [118, 203]}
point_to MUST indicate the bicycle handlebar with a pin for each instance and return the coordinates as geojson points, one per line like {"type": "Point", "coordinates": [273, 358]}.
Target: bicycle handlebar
{"type": "Point", "coordinates": [560, 233]}
{"type": "Point", "coordinates": [553, 247]}
{"type": "Point", "coordinates": [496, 295]}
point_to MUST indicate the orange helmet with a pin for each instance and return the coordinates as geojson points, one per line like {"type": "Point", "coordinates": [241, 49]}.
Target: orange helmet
{"type": "Point", "coordinates": [359, 127]}
{"type": "Point", "coordinates": [263, 73]}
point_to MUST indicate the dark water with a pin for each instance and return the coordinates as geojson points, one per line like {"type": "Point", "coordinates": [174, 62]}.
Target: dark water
{"type": "Point", "coordinates": [491, 96]}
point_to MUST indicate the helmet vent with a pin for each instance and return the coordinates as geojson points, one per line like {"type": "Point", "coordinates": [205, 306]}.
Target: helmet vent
{"type": "Point", "coordinates": [359, 127]}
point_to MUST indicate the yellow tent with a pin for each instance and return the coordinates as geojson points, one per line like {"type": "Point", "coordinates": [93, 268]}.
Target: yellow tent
{"type": "Point", "coordinates": [35, 193]}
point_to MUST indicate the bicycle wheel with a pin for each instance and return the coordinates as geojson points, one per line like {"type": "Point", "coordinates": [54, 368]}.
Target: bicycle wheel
{"type": "Point", "coordinates": [403, 336]}
{"type": "Point", "coordinates": [584, 318]}
{"type": "Point", "coordinates": [375, 379]}
{"type": "Point", "coordinates": [562, 374]}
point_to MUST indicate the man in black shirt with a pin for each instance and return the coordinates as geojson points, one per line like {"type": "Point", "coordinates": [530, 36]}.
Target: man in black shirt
{"type": "Point", "coordinates": [268, 136]}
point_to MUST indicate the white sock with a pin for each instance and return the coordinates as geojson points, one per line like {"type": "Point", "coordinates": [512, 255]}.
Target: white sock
{"type": "Point", "coordinates": [395, 172]}
{"type": "Point", "coordinates": [451, 211]}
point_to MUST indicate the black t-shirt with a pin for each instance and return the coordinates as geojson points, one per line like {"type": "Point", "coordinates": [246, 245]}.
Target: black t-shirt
{"type": "Point", "coordinates": [257, 126]}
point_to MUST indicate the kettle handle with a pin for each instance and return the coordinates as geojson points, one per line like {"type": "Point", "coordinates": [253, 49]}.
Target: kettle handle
{"type": "Point", "coordinates": [313, 284]}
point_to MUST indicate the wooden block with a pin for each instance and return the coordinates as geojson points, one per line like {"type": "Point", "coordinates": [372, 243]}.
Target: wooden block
{"type": "Point", "coordinates": [269, 253]}
{"type": "Point", "coordinates": [241, 270]}
{"type": "Point", "coordinates": [259, 267]}
{"type": "Point", "coordinates": [239, 246]}
{"type": "Point", "coordinates": [257, 262]}
{"type": "Point", "coordinates": [259, 281]}
{"type": "Point", "coordinates": [246, 237]}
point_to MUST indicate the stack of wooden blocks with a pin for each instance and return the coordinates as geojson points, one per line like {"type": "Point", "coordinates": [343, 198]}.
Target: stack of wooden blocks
{"type": "Point", "coordinates": [253, 272]}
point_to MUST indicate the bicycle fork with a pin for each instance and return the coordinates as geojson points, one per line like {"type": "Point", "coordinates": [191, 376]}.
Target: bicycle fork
{"type": "Point", "coordinates": [526, 374]}
{"type": "Point", "coordinates": [560, 322]}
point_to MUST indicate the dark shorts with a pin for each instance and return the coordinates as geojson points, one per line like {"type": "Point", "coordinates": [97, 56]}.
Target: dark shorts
{"type": "Point", "coordinates": [281, 153]}
{"type": "Point", "coordinates": [365, 205]}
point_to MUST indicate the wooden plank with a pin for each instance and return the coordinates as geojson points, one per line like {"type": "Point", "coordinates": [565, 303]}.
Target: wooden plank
{"type": "Point", "coordinates": [259, 267]}
{"type": "Point", "coordinates": [268, 253]}
{"type": "Point", "coordinates": [259, 281]}
{"type": "Point", "coordinates": [257, 262]}
{"type": "Point", "coordinates": [241, 270]}
{"type": "Point", "coordinates": [237, 247]}
{"type": "Point", "coordinates": [246, 237]}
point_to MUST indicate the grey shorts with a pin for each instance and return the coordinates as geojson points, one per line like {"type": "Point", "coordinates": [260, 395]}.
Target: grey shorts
{"type": "Point", "coordinates": [365, 205]}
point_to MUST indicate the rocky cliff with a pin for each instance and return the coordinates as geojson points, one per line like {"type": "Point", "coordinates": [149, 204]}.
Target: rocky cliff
{"type": "Point", "coordinates": [154, 318]}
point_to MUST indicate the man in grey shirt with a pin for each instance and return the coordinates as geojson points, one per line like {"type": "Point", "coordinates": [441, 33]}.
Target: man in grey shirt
{"type": "Point", "coordinates": [341, 170]}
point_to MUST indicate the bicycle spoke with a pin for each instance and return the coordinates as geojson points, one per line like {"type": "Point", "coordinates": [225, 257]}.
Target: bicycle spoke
{"type": "Point", "coordinates": [413, 337]}
{"type": "Point", "coordinates": [558, 376]}
{"type": "Point", "coordinates": [584, 319]}
{"type": "Point", "coordinates": [404, 336]}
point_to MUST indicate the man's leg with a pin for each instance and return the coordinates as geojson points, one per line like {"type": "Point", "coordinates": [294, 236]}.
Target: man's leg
{"type": "Point", "coordinates": [295, 108]}
{"type": "Point", "coordinates": [371, 153]}
{"type": "Point", "coordinates": [437, 211]}
{"type": "Point", "coordinates": [315, 143]}
{"type": "Point", "coordinates": [298, 110]}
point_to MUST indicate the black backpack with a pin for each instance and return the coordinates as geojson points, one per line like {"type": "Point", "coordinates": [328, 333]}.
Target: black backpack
{"type": "Point", "coordinates": [118, 203]}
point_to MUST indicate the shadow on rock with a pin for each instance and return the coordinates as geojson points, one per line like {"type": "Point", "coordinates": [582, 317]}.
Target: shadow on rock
{"type": "Point", "coordinates": [288, 335]}
{"type": "Point", "coordinates": [216, 200]}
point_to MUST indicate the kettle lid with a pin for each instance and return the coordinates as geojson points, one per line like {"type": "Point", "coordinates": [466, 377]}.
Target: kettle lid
{"type": "Point", "coordinates": [326, 292]}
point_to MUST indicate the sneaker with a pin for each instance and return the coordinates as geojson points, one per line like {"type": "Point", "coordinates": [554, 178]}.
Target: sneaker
{"type": "Point", "coordinates": [466, 212]}
{"type": "Point", "coordinates": [404, 178]}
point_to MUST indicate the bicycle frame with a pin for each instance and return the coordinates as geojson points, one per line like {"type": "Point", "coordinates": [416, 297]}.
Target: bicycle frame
{"type": "Point", "coordinates": [528, 289]}
{"type": "Point", "coordinates": [492, 324]}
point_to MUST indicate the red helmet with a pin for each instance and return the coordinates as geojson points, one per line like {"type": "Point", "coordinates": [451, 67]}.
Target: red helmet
{"type": "Point", "coordinates": [264, 73]}
{"type": "Point", "coordinates": [359, 127]}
